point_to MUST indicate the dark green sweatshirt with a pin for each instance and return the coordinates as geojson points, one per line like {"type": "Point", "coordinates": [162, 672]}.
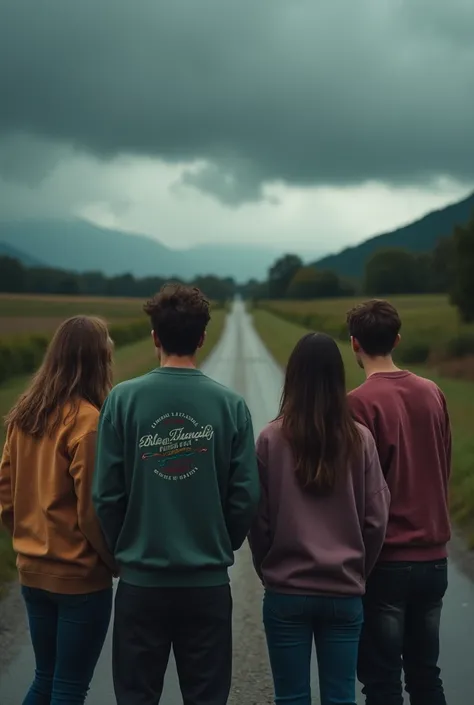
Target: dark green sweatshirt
{"type": "Point", "coordinates": [176, 482]}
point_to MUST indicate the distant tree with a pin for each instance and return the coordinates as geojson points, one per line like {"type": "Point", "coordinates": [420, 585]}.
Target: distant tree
{"type": "Point", "coordinates": [309, 283]}
{"type": "Point", "coordinates": [14, 278]}
{"type": "Point", "coordinates": [392, 272]}
{"type": "Point", "coordinates": [123, 285]}
{"type": "Point", "coordinates": [93, 283]}
{"type": "Point", "coordinates": [216, 289]}
{"type": "Point", "coordinates": [349, 287]}
{"type": "Point", "coordinates": [68, 285]}
{"type": "Point", "coordinates": [281, 274]}
{"type": "Point", "coordinates": [254, 290]}
{"type": "Point", "coordinates": [462, 293]}
{"type": "Point", "coordinates": [12, 275]}
{"type": "Point", "coordinates": [304, 284]}
{"type": "Point", "coordinates": [443, 265]}
{"type": "Point", "coordinates": [44, 280]}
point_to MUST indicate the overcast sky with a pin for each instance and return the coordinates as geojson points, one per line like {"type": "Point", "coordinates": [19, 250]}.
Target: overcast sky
{"type": "Point", "coordinates": [307, 124]}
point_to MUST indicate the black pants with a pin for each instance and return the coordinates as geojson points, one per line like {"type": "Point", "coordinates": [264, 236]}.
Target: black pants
{"type": "Point", "coordinates": [402, 610]}
{"type": "Point", "coordinates": [196, 622]}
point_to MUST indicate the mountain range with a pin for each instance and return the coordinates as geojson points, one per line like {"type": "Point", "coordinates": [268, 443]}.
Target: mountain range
{"type": "Point", "coordinates": [419, 236]}
{"type": "Point", "coordinates": [80, 246]}
{"type": "Point", "coordinates": [14, 253]}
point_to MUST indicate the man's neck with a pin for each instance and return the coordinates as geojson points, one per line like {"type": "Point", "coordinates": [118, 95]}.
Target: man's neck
{"type": "Point", "coordinates": [377, 365]}
{"type": "Point", "coordinates": [185, 362]}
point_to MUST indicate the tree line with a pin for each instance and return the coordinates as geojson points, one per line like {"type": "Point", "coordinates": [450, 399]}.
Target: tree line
{"type": "Point", "coordinates": [16, 278]}
{"type": "Point", "coordinates": [290, 278]}
{"type": "Point", "coordinates": [448, 269]}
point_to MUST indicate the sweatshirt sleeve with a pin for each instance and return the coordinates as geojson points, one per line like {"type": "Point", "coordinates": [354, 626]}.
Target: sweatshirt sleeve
{"type": "Point", "coordinates": [377, 506]}
{"type": "Point", "coordinates": [82, 472]}
{"type": "Point", "coordinates": [108, 488]}
{"type": "Point", "coordinates": [361, 413]}
{"type": "Point", "coordinates": [243, 494]}
{"type": "Point", "coordinates": [260, 538]}
{"type": "Point", "coordinates": [447, 435]}
{"type": "Point", "coordinates": [6, 490]}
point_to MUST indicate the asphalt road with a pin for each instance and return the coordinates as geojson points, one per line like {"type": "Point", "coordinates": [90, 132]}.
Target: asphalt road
{"type": "Point", "coordinates": [241, 361]}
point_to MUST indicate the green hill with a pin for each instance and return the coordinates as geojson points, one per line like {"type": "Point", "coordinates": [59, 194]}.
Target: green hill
{"type": "Point", "coordinates": [14, 253]}
{"type": "Point", "coordinates": [420, 236]}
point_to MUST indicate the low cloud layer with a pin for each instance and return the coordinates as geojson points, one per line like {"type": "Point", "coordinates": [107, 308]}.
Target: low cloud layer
{"type": "Point", "coordinates": [299, 92]}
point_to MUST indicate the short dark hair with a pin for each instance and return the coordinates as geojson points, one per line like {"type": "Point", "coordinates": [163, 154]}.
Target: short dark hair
{"type": "Point", "coordinates": [179, 315]}
{"type": "Point", "coordinates": [375, 325]}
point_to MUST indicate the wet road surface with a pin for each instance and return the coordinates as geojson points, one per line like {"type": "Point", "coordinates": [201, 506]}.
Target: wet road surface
{"type": "Point", "coordinates": [240, 361]}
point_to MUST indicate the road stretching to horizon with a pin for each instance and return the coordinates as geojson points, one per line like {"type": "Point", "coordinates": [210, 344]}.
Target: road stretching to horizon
{"type": "Point", "coordinates": [241, 361]}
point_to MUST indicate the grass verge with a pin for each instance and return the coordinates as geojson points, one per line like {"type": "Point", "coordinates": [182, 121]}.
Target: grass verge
{"type": "Point", "coordinates": [130, 361]}
{"type": "Point", "coordinates": [280, 337]}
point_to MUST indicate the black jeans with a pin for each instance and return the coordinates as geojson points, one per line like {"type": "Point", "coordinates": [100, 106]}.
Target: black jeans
{"type": "Point", "coordinates": [196, 622]}
{"type": "Point", "coordinates": [402, 610]}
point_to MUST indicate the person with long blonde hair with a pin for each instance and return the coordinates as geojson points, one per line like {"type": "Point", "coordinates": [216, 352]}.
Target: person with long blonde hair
{"type": "Point", "coordinates": [46, 471]}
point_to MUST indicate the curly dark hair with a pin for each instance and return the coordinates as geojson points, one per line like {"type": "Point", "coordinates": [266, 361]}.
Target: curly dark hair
{"type": "Point", "coordinates": [179, 315]}
{"type": "Point", "coordinates": [375, 325]}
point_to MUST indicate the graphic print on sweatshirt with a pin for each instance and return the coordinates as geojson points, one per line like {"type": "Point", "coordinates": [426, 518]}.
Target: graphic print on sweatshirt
{"type": "Point", "coordinates": [175, 445]}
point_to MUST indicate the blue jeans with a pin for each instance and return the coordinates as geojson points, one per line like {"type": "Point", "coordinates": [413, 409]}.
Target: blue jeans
{"type": "Point", "coordinates": [68, 633]}
{"type": "Point", "coordinates": [401, 631]}
{"type": "Point", "coordinates": [291, 624]}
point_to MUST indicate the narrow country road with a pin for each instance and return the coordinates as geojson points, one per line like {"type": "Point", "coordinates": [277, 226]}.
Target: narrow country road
{"type": "Point", "coordinates": [241, 361]}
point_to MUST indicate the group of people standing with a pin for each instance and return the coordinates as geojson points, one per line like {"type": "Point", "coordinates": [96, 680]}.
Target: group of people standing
{"type": "Point", "coordinates": [158, 482]}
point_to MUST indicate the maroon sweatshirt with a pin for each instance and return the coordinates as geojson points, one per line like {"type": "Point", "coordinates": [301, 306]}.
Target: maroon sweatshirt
{"type": "Point", "coordinates": [311, 545]}
{"type": "Point", "coordinates": [408, 418]}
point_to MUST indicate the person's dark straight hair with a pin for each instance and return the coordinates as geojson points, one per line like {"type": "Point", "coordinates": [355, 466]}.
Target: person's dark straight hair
{"type": "Point", "coordinates": [315, 414]}
{"type": "Point", "coordinates": [375, 325]}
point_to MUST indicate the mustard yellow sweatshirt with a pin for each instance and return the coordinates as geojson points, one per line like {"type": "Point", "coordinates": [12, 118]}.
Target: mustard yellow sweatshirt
{"type": "Point", "coordinates": [46, 505]}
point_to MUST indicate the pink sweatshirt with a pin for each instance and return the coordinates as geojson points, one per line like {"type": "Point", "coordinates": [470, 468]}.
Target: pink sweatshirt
{"type": "Point", "coordinates": [311, 545]}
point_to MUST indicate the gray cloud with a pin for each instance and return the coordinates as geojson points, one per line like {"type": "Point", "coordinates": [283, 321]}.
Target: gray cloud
{"type": "Point", "coordinates": [305, 92]}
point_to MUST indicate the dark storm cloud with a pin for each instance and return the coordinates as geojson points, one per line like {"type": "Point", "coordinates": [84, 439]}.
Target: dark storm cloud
{"type": "Point", "coordinates": [334, 91]}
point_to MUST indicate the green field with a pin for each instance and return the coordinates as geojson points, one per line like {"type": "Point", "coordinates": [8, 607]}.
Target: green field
{"type": "Point", "coordinates": [24, 305]}
{"type": "Point", "coordinates": [280, 337]}
{"type": "Point", "coordinates": [431, 330]}
{"type": "Point", "coordinates": [130, 361]}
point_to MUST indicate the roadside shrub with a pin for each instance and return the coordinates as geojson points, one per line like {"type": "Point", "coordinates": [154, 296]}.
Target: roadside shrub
{"type": "Point", "coordinates": [129, 332]}
{"type": "Point", "coordinates": [459, 346]}
{"type": "Point", "coordinates": [414, 352]}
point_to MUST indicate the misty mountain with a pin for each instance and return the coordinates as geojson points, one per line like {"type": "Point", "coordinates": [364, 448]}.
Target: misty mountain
{"type": "Point", "coordinates": [80, 246]}
{"type": "Point", "coordinates": [14, 253]}
{"type": "Point", "coordinates": [420, 236]}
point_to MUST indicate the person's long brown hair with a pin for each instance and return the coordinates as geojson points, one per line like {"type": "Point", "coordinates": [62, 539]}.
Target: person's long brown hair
{"type": "Point", "coordinates": [315, 414]}
{"type": "Point", "coordinates": [77, 366]}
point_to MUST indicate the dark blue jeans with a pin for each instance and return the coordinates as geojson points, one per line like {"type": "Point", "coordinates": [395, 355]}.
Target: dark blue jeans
{"type": "Point", "coordinates": [401, 632]}
{"type": "Point", "coordinates": [68, 633]}
{"type": "Point", "coordinates": [291, 624]}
